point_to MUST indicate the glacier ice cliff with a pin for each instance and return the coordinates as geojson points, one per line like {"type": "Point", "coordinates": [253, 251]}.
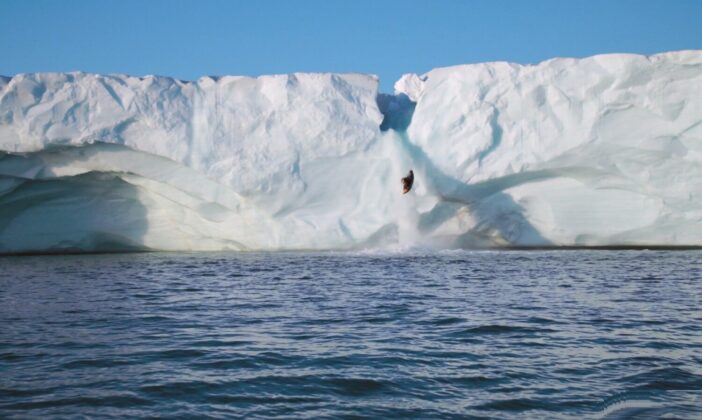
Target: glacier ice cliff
{"type": "Point", "coordinates": [601, 151]}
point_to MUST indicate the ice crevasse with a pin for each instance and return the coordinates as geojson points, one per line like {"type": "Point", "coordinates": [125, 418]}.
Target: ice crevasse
{"type": "Point", "coordinates": [601, 151]}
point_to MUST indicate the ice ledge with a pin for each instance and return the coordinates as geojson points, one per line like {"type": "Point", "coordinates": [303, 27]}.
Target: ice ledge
{"type": "Point", "coordinates": [413, 85]}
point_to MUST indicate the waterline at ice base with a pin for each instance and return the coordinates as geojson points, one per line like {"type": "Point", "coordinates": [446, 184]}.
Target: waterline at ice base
{"type": "Point", "coordinates": [600, 151]}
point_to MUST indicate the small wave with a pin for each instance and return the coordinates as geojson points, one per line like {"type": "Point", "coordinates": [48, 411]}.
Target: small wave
{"type": "Point", "coordinates": [541, 320]}
{"type": "Point", "coordinates": [626, 406]}
{"type": "Point", "coordinates": [107, 401]}
{"type": "Point", "coordinates": [514, 404]}
{"type": "Point", "coordinates": [500, 329]}
{"type": "Point", "coordinates": [170, 354]}
{"type": "Point", "coordinates": [180, 389]}
{"type": "Point", "coordinates": [357, 386]}
{"type": "Point", "coordinates": [19, 393]}
{"type": "Point", "coordinates": [445, 321]}
{"type": "Point", "coordinates": [223, 365]}
{"type": "Point", "coordinates": [219, 343]}
{"type": "Point", "coordinates": [470, 381]}
{"type": "Point", "coordinates": [669, 378]}
{"type": "Point", "coordinates": [259, 399]}
{"type": "Point", "coordinates": [94, 363]}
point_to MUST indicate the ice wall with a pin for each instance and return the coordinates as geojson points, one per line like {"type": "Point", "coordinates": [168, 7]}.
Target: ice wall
{"type": "Point", "coordinates": [274, 162]}
{"type": "Point", "coordinates": [599, 151]}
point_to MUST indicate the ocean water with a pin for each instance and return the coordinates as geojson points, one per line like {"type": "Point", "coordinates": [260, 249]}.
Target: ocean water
{"type": "Point", "coordinates": [523, 334]}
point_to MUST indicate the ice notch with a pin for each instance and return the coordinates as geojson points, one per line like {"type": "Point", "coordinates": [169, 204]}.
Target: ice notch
{"type": "Point", "coordinates": [397, 111]}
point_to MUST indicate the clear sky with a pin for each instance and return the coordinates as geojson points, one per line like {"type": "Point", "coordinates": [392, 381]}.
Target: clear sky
{"type": "Point", "coordinates": [188, 39]}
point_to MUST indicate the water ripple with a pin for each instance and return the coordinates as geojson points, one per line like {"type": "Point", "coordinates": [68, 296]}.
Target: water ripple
{"type": "Point", "coordinates": [509, 334]}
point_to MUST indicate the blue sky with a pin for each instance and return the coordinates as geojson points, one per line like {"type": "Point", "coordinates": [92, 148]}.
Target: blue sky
{"type": "Point", "coordinates": [188, 39]}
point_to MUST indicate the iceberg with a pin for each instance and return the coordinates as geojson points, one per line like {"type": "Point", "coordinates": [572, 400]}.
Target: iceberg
{"type": "Point", "coordinates": [601, 151]}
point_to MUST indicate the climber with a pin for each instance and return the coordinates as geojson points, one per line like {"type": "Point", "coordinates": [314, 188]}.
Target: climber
{"type": "Point", "coordinates": [407, 182]}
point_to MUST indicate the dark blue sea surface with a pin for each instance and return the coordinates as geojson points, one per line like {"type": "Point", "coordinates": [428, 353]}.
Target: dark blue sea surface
{"type": "Point", "coordinates": [536, 334]}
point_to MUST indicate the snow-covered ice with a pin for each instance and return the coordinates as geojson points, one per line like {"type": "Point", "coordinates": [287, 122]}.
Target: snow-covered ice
{"type": "Point", "coordinates": [604, 150]}
{"type": "Point", "coordinates": [599, 151]}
